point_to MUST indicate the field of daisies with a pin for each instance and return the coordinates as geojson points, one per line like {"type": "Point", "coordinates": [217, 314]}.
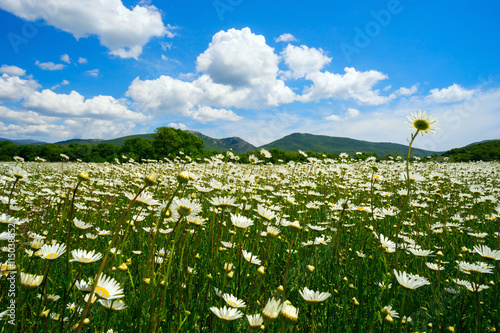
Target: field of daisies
{"type": "Point", "coordinates": [178, 246]}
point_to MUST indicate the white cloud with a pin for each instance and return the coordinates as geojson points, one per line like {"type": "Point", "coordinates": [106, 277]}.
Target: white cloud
{"type": "Point", "coordinates": [238, 58]}
{"type": "Point", "coordinates": [93, 72]}
{"type": "Point", "coordinates": [12, 70]}
{"type": "Point", "coordinates": [14, 130]}
{"type": "Point", "coordinates": [89, 128]}
{"type": "Point", "coordinates": [26, 117]}
{"type": "Point", "coordinates": [286, 37]}
{"type": "Point", "coordinates": [333, 117]}
{"type": "Point", "coordinates": [352, 113]}
{"type": "Point", "coordinates": [82, 60]}
{"type": "Point", "coordinates": [353, 84]}
{"type": "Point", "coordinates": [65, 58]}
{"type": "Point", "coordinates": [49, 66]}
{"type": "Point", "coordinates": [240, 71]}
{"type": "Point", "coordinates": [407, 91]}
{"type": "Point", "coordinates": [123, 31]}
{"type": "Point", "coordinates": [13, 88]}
{"type": "Point", "coordinates": [50, 103]}
{"type": "Point", "coordinates": [63, 83]}
{"type": "Point", "coordinates": [303, 60]}
{"type": "Point", "coordinates": [205, 113]}
{"type": "Point", "coordinates": [454, 93]}
{"type": "Point", "coordinates": [178, 125]}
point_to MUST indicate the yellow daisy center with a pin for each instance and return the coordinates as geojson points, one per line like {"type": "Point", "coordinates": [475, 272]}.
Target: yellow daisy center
{"type": "Point", "coordinates": [102, 292]}
{"type": "Point", "coordinates": [421, 124]}
{"type": "Point", "coordinates": [51, 256]}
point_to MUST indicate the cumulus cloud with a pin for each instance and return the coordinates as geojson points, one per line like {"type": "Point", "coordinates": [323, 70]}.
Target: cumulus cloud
{"type": "Point", "coordinates": [13, 88]}
{"type": "Point", "coordinates": [82, 60]}
{"type": "Point", "coordinates": [50, 103]}
{"type": "Point", "coordinates": [238, 58]}
{"type": "Point", "coordinates": [65, 58]}
{"type": "Point", "coordinates": [49, 66]}
{"type": "Point", "coordinates": [352, 113]}
{"type": "Point", "coordinates": [333, 117]}
{"type": "Point", "coordinates": [286, 37]}
{"type": "Point", "coordinates": [205, 113]}
{"type": "Point", "coordinates": [178, 125]}
{"type": "Point", "coordinates": [454, 93]}
{"type": "Point", "coordinates": [407, 91]}
{"type": "Point", "coordinates": [240, 70]}
{"type": "Point", "coordinates": [353, 84]}
{"type": "Point", "coordinates": [93, 72]}
{"type": "Point", "coordinates": [12, 70]}
{"type": "Point", "coordinates": [303, 60]}
{"type": "Point", "coordinates": [63, 83]}
{"type": "Point", "coordinates": [26, 117]}
{"type": "Point", "coordinates": [98, 128]}
{"type": "Point", "coordinates": [122, 30]}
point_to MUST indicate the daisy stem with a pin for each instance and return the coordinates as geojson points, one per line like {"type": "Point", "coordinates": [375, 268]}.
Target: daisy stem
{"type": "Point", "coordinates": [104, 261]}
{"type": "Point", "coordinates": [43, 296]}
{"type": "Point", "coordinates": [69, 226]}
{"type": "Point", "coordinates": [10, 195]}
{"type": "Point", "coordinates": [407, 197]}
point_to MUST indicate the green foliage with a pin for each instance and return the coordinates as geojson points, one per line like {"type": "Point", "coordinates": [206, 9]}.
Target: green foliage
{"type": "Point", "coordinates": [484, 151]}
{"type": "Point", "coordinates": [168, 142]}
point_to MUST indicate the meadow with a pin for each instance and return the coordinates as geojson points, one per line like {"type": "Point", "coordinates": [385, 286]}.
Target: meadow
{"type": "Point", "coordinates": [179, 246]}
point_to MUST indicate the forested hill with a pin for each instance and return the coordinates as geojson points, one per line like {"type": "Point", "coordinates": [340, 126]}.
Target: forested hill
{"type": "Point", "coordinates": [482, 151]}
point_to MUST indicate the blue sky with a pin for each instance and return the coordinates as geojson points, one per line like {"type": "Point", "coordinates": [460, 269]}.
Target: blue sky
{"type": "Point", "coordinates": [255, 69]}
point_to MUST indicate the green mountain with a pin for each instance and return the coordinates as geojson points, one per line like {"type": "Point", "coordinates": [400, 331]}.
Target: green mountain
{"type": "Point", "coordinates": [488, 150]}
{"type": "Point", "coordinates": [121, 140]}
{"type": "Point", "coordinates": [337, 145]}
{"type": "Point", "coordinates": [236, 144]}
{"type": "Point", "coordinates": [82, 141]}
{"type": "Point", "coordinates": [24, 142]}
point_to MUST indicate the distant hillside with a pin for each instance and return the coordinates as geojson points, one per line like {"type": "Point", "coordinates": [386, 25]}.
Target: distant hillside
{"type": "Point", "coordinates": [484, 151]}
{"type": "Point", "coordinates": [337, 145]}
{"type": "Point", "coordinates": [82, 141]}
{"type": "Point", "coordinates": [236, 144]}
{"type": "Point", "coordinates": [24, 142]}
{"type": "Point", "coordinates": [121, 140]}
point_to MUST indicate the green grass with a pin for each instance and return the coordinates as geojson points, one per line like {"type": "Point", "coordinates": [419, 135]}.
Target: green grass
{"type": "Point", "coordinates": [339, 206]}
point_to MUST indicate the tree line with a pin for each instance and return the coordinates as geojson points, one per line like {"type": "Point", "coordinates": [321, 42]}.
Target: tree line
{"type": "Point", "coordinates": [166, 142]}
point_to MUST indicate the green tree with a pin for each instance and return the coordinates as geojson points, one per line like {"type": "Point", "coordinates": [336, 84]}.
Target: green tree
{"type": "Point", "coordinates": [168, 141]}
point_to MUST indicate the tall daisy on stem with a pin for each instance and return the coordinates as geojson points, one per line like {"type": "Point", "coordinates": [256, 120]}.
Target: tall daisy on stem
{"type": "Point", "coordinates": [421, 123]}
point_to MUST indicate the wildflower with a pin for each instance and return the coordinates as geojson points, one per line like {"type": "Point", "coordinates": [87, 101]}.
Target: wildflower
{"type": "Point", "coordinates": [251, 258]}
{"type": "Point", "coordinates": [226, 313]}
{"type": "Point", "coordinates": [485, 252]}
{"type": "Point", "coordinates": [144, 198]}
{"type": "Point", "coordinates": [290, 312]}
{"type": "Point", "coordinates": [240, 221]}
{"type": "Point", "coordinates": [389, 311]}
{"type": "Point", "coordinates": [410, 281]}
{"type": "Point", "coordinates": [255, 320]}
{"type": "Point", "coordinates": [272, 309]}
{"type": "Point", "coordinates": [30, 281]}
{"type": "Point", "coordinates": [481, 267]}
{"type": "Point", "coordinates": [108, 288]}
{"type": "Point", "coordinates": [233, 302]}
{"type": "Point", "coordinates": [311, 296]}
{"type": "Point", "coordinates": [434, 267]}
{"type": "Point", "coordinates": [265, 213]}
{"type": "Point", "coordinates": [422, 123]}
{"type": "Point", "coordinates": [223, 201]}
{"type": "Point", "coordinates": [52, 252]}
{"type": "Point", "coordinates": [83, 176]}
{"type": "Point", "coordinates": [84, 257]}
{"type": "Point", "coordinates": [80, 224]}
{"type": "Point", "coordinates": [113, 304]}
